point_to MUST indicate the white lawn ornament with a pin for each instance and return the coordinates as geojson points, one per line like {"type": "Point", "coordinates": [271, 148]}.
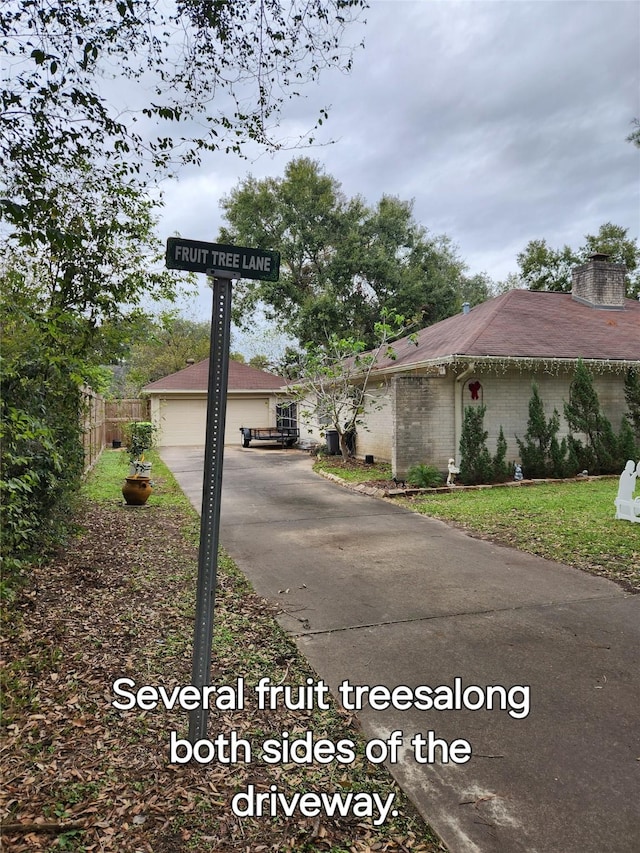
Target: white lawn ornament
{"type": "Point", "coordinates": [628, 507]}
{"type": "Point", "coordinates": [451, 467]}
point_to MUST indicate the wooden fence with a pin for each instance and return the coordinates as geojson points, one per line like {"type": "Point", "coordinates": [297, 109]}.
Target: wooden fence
{"type": "Point", "coordinates": [118, 413]}
{"type": "Point", "coordinates": [104, 421]}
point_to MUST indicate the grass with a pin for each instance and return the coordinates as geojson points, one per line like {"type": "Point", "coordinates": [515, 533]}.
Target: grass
{"type": "Point", "coordinates": [352, 470]}
{"type": "Point", "coordinates": [104, 481]}
{"type": "Point", "coordinates": [570, 522]}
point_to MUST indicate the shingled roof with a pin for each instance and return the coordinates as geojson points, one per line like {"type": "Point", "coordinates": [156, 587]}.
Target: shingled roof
{"type": "Point", "coordinates": [527, 324]}
{"type": "Point", "coordinates": [242, 377]}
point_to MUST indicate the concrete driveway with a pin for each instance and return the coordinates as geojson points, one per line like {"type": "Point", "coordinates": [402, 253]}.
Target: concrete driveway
{"type": "Point", "coordinates": [378, 595]}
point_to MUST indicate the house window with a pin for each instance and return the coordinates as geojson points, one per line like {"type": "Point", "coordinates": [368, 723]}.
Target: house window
{"type": "Point", "coordinates": [286, 415]}
{"type": "Point", "coordinates": [322, 414]}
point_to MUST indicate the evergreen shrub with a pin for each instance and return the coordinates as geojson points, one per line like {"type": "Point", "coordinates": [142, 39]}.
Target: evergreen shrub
{"type": "Point", "coordinates": [541, 454]}
{"type": "Point", "coordinates": [476, 465]}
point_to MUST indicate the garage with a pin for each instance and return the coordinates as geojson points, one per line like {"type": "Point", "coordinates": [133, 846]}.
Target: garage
{"type": "Point", "coordinates": [179, 403]}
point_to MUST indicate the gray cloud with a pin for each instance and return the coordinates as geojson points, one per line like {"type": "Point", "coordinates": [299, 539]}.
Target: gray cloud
{"type": "Point", "coordinates": [505, 121]}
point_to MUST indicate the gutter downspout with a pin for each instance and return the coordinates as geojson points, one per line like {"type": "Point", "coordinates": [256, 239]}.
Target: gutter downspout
{"type": "Point", "coordinates": [457, 411]}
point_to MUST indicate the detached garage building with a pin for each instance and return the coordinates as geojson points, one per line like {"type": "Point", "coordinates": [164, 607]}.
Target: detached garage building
{"type": "Point", "coordinates": [179, 403]}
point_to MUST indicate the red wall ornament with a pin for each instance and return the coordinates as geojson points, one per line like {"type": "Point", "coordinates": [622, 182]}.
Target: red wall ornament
{"type": "Point", "coordinates": [475, 388]}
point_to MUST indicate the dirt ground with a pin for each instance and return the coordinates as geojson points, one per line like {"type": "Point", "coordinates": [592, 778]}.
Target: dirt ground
{"type": "Point", "coordinates": [80, 775]}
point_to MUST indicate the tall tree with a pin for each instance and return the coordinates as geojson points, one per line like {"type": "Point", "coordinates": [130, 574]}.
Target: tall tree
{"type": "Point", "coordinates": [223, 70]}
{"type": "Point", "coordinates": [76, 165]}
{"type": "Point", "coordinates": [69, 284]}
{"type": "Point", "coordinates": [613, 241]}
{"type": "Point", "coordinates": [167, 346]}
{"type": "Point", "coordinates": [476, 465]}
{"type": "Point", "coordinates": [634, 136]}
{"type": "Point", "coordinates": [545, 268]}
{"type": "Point", "coordinates": [84, 253]}
{"type": "Point", "coordinates": [342, 262]}
{"type": "Point", "coordinates": [584, 415]}
{"type": "Point", "coordinates": [632, 397]}
{"type": "Point", "coordinates": [540, 450]}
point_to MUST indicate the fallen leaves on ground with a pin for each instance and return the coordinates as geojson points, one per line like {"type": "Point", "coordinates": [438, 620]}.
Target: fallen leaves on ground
{"type": "Point", "coordinates": [80, 775]}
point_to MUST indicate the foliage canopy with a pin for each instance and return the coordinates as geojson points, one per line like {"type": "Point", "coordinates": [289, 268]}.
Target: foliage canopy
{"type": "Point", "coordinates": [208, 75]}
{"type": "Point", "coordinates": [78, 151]}
{"type": "Point", "coordinates": [545, 268]}
{"type": "Point", "coordinates": [603, 451]}
{"type": "Point", "coordinates": [342, 261]}
{"type": "Point", "coordinates": [333, 381]}
{"type": "Point", "coordinates": [476, 465]}
{"type": "Point", "coordinates": [540, 452]}
{"type": "Point", "coordinates": [167, 343]}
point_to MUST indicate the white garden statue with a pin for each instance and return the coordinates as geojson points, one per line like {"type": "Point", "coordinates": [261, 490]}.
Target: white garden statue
{"type": "Point", "coordinates": [628, 507]}
{"type": "Point", "coordinates": [453, 470]}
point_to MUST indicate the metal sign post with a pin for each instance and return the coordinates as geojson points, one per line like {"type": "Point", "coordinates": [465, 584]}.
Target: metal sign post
{"type": "Point", "coordinates": [221, 263]}
{"type": "Point", "coordinates": [211, 494]}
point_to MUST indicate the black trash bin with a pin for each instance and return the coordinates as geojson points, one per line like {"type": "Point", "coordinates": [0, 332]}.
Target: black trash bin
{"type": "Point", "coordinates": [333, 442]}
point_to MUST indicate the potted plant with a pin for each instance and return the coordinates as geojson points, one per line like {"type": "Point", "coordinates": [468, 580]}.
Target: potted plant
{"type": "Point", "coordinates": [138, 486]}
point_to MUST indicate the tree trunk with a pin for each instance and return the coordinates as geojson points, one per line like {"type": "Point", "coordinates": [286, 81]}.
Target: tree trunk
{"type": "Point", "coordinates": [344, 450]}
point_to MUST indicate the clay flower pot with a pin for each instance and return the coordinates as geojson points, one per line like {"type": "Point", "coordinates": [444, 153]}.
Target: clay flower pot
{"type": "Point", "coordinates": [136, 490]}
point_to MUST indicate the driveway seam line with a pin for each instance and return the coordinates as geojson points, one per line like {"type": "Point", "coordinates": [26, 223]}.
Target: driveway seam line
{"type": "Point", "coordinates": [453, 615]}
{"type": "Point", "coordinates": [313, 518]}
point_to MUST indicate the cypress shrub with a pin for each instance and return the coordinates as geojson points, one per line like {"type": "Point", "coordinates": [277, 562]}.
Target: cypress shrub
{"type": "Point", "coordinates": [540, 453]}
{"type": "Point", "coordinates": [476, 465]}
{"type": "Point", "coordinates": [501, 471]}
{"type": "Point", "coordinates": [599, 453]}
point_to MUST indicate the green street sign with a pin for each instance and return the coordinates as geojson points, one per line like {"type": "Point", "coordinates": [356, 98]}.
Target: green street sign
{"type": "Point", "coordinates": [240, 262]}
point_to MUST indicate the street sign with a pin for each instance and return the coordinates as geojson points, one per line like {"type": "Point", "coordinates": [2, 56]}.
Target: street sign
{"type": "Point", "coordinates": [238, 261]}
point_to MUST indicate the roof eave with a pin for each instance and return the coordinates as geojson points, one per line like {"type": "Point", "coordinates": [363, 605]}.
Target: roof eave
{"type": "Point", "coordinates": [614, 364]}
{"type": "Point", "coordinates": [191, 391]}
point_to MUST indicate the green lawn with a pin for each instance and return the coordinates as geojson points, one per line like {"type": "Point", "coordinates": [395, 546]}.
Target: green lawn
{"type": "Point", "coordinates": [352, 470]}
{"type": "Point", "coordinates": [104, 481]}
{"type": "Point", "coordinates": [571, 522]}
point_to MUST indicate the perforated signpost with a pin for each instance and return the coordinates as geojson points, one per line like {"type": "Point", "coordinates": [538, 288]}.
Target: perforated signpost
{"type": "Point", "coordinates": [222, 264]}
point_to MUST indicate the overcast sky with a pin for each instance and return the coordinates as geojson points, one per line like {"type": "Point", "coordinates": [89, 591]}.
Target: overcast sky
{"type": "Point", "coordinates": [504, 121]}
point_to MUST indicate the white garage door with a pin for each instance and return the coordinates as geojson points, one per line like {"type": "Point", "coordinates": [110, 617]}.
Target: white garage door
{"type": "Point", "coordinates": [183, 421]}
{"type": "Point", "coordinates": [252, 412]}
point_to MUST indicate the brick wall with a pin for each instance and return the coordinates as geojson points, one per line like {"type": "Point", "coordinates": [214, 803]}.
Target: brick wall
{"type": "Point", "coordinates": [506, 396]}
{"type": "Point", "coordinates": [307, 423]}
{"type": "Point", "coordinates": [376, 438]}
{"type": "Point", "coordinates": [599, 282]}
{"type": "Point", "coordinates": [422, 413]}
{"type": "Point", "coordinates": [423, 422]}
{"type": "Point", "coordinates": [411, 419]}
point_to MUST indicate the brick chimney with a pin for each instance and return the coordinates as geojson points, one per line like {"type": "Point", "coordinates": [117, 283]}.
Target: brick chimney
{"type": "Point", "coordinates": [599, 283]}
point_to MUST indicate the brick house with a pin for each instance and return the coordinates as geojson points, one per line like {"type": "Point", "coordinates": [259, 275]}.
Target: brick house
{"type": "Point", "coordinates": [490, 355]}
